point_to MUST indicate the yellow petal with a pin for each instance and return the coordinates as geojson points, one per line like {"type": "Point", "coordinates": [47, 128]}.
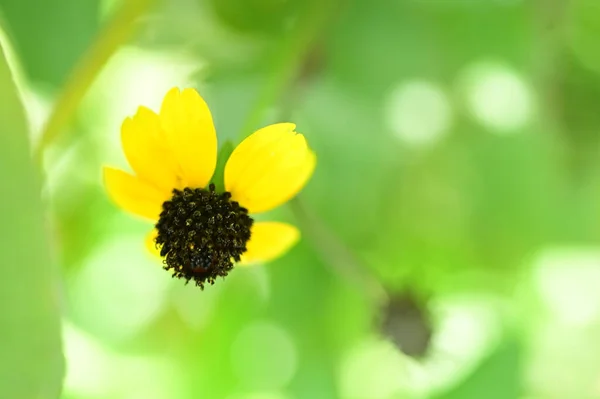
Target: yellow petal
{"type": "Point", "coordinates": [268, 241]}
{"type": "Point", "coordinates": [151, 243]}
{"type": "Point", "coordinates": [269, 167]}
{"type": "Point", "coordinates": [133, 194]}
{"type": "Point", "coordinates": [145, 147]}
{"type": "Point", "coordinates": [189, 128]}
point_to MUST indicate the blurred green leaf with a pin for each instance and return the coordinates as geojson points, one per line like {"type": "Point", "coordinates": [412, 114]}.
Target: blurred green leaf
{"type": "Point", "coordinates": [31, 364]}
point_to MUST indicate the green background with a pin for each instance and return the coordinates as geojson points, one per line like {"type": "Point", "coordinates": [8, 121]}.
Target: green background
{"type": "Point", "coordinates": [451, 231]}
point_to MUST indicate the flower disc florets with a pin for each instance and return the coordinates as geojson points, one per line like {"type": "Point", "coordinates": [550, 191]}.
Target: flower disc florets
{"type": "Point", "coordinates": [201, 233]}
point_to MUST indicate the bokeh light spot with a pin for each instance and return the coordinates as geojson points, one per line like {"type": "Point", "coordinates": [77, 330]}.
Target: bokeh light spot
{"type": "Point", "coordinates": [149, 377]}
{"type": "Point", "coordinates": [418, 112]}
{"type": "Point", "coordinates": [468, 328]}
{"type": "Point", "coordinates": [96, 372]}
{"type": "Point", "coordinates": [263, 356]}
{"type": "Point", "coordinates": [195, 306]}
{"type": "Point", "coordinates": [375, 369]}
{"type": "Point", "coordinates": [568, 281]}
{"type": "Point", "coordinates": [497, 96]}
{"type": "Point", "coordinates": [119, 290]}
{"type": "Point", "coordinates": [88, 364]}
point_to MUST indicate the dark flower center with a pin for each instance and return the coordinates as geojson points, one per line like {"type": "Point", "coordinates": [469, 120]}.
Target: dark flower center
{"type": "Point", "coordinates": [201, 233]}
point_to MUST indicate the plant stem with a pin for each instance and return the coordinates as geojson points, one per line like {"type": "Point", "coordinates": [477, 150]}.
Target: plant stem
{"type": "Point", "coordinates": [285, 74]}
{"type": "Point", "coordinates": [114, 33]}
{"type": "Point", "coordinates": [289, 60]}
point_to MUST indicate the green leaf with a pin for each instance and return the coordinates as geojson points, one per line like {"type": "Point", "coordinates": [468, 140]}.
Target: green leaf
{"type": "Point", "coordinates": [31, 364]}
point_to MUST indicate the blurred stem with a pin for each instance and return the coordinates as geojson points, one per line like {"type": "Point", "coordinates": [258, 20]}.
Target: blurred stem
{"type": "Point", "coordinates": [550, 24]}
{"type": "Point", "coordinates": [284, 89]}
{"type": "Point", "coordinates": [336, 254]}
{"type": "Point", "coordinates": [114, 33]}
{"type": "Point", "coordinates": [287, 62]}
{"type": "Point", "coordinates": [218, 178]}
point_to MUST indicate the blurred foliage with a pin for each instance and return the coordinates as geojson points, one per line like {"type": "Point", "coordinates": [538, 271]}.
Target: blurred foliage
{"type": "Point", "coordinates": [458, 166]}
{"type": "Point", "coordinates": [257, 16]}
{"type": "Point", "coordinates": [65, 27]}
{"type": "Point", "coordinates": [497, 378]}
{"type": "Point", "coordinates": [30, 343]}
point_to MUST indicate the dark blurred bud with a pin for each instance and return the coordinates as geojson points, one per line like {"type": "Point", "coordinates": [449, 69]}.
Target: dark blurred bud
{"type": "Point", "coordinates": [405, 321]}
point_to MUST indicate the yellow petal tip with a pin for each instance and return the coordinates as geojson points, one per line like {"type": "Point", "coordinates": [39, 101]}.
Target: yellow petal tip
{"type": "Point", "coordinates": [269, 241]}
{"type": "Point", "coordinates": [188, 127]}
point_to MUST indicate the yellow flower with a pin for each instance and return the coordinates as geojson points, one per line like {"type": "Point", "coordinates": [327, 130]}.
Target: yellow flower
{"type": "Point", "coordinates": [201, 233]}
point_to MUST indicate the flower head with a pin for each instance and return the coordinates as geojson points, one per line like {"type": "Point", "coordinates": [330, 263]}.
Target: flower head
{"type": "Point", "coordinates": [201, 233]}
